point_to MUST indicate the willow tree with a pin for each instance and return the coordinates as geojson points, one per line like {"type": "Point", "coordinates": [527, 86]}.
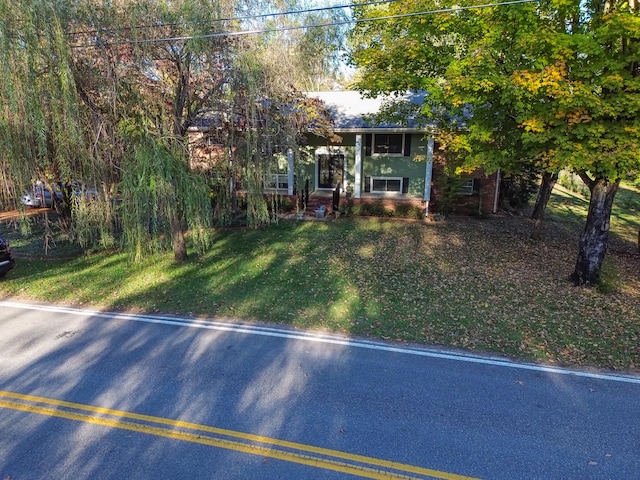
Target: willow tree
{"type": "Point", "coordinates": [66, 98]}
{"type": "Point", "coordinates": [552, 82]}
{"type": "Point", "coordinates": [41, 130]}
{"type": "Point", "coordinates": [106, 92]}
{"type": "Point", "coordinates": [148, 70]}
{"type": "Point", "coordinates": [305, 41]}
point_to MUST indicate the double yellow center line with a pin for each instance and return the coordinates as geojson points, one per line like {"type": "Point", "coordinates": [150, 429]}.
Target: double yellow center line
{"type": "Point", "coordinates": [359, 465]}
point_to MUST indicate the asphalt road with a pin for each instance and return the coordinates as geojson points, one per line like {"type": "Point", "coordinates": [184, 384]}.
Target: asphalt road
{"type": "Point", "coordinates": [99, 396]}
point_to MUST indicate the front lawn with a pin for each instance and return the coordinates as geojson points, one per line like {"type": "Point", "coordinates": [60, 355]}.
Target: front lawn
{"type": "Point", "coordinates": [477, 284]}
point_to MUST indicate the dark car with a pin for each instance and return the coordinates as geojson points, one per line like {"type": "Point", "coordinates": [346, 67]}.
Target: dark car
{"type": "Point", "coordinates": [7, 261]}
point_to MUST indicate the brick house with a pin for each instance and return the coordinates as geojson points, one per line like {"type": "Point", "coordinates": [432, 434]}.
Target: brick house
{"type": "Point", "coordinates": [387, 162]}
{"type": "Point", "coordinates": [367, 162]}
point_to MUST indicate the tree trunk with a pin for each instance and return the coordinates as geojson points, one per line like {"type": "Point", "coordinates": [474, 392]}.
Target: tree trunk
{"type": "Point", "coordinates": [546, 186]}
{"type": "Point", "coordinates": [178, 241]}
{"type": "Point", "coordinates": [595, 237]}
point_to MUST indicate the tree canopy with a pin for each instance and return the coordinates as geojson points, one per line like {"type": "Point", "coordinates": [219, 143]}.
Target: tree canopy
{"type": "Point", "coordinates": [554, 82]}
{"type": "Point", "coordinates": [104, 93]}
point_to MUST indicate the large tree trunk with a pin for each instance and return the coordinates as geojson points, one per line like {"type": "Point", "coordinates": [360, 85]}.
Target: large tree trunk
{"type": "Point", "coordinates": [546, 186]}
{"type": "Point", "coordinates": [595, 237]}
{"type": "Point", "coordinates": [178, 241]}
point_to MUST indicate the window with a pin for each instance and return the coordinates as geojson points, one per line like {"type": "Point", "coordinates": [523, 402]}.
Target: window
{"type": "Point", "coordinates": [386, 184]}
{"type": "Point", "coordinates": [276, 181]}
{"type": "Point", "coordinates": [388, 144]}
{"type": "Point", "coordinates": [469, 187]}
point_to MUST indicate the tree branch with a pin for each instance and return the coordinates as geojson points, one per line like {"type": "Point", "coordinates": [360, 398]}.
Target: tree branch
{"type": "Point", "coordinates": [589, 182]}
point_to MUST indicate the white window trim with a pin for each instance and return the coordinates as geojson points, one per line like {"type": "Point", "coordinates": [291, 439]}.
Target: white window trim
{"type": "Point", "coordinates": [280, 178]}
{"type": "Point", "coordinates": [386, 192]}
{"type": "Point", "coordinates": [330, 150]}
{"type": "Point", "coordinates": [373, 145]}
{"type": "Point", "coordinates": [467, 187]}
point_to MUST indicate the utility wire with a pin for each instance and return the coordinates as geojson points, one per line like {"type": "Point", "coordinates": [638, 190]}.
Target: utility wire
{"type": "Point", "coordinates": [239, 19]}
{"type": "Point", "coordinates": [454, 9]}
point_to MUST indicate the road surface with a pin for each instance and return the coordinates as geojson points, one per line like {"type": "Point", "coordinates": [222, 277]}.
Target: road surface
{"type": "Point", "coordinates": [92, 395]}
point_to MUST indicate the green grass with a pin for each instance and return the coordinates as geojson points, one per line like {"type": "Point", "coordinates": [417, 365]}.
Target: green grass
{"type": "Point", "coordinates": [477, 284]}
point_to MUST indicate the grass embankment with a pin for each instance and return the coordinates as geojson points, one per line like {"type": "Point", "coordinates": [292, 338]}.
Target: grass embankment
{"type": "Point", "coordinates": [477, 284]}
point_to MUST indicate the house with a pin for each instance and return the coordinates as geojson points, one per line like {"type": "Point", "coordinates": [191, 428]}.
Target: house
{"type": "Point", "coordinates": [392, 163]}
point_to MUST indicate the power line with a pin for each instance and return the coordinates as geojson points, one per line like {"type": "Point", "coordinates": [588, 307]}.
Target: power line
{"type": "Point", "coordinates": [238, 19]}
{"type": "Point", "coordinates": [317, 25]}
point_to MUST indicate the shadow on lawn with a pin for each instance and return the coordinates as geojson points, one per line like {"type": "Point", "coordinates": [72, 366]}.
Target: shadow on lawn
{"type": "Point", "coordinates": [470, 283]}
{"type": "Point", "coordinates": [478, 284]}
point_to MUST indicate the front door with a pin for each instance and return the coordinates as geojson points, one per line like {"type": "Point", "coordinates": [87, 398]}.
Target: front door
{"type": "Point", "coordinates": [330, 170]}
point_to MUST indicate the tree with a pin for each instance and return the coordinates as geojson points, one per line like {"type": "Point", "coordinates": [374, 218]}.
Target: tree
{"type": "Point", "coordinates": [463, 59]}
{"type": "Point", "coordinates": [306, 42]}
{"type": "Point", "coordinates": [555, 82]}
{"type": "Point", "coordinates": [585, 105]}
{"type": "Point", "coordinates": [105, 93]}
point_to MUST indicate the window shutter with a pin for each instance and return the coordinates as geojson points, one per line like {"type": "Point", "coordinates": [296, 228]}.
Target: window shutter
{"type": "Point", "coordinates": [407, 144]}
{"type": "Point", "coordinates": [368, 141]}
{"type": "Point", "coordinates": [476, 185]}
{"type": "Point", "coordinates": [405, 185]}
{"type": "Point", "coordinates": [367, 184]}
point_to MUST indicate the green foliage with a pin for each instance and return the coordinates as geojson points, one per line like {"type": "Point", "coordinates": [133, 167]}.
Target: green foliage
{"type": "Point", "coordinates": [371, 209]}
{"type": "Point", "coordinates": [94, 222]}
{"type": "Point", "coordinates": [572, 182]}
{"type": "Point", "coordinates": [517, 189]}
{"type": "Point", "coordinates": [554, 84]}
{"type": "Point", "coordinates": [156, 187]}
{"type": "Point", "coordinates": [86, 97]}
{"type": "Point", "coordinates": [513, 83]}
{"type": "Point", "coordinates": [405, 210]}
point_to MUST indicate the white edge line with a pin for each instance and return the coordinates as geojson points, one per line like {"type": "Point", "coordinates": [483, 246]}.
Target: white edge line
{"type": "Point", "coordinates": [320, 338]}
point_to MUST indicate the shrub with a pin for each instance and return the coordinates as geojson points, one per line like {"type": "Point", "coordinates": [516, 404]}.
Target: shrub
{"type": "Point", "coordinates": [375, 209]}
{"type": "Point", "coordinates": [517, 189]}
{"type": "Point", "coordinates": [406, 210]}
{"type": "Point", "coordinates": [402, 210]}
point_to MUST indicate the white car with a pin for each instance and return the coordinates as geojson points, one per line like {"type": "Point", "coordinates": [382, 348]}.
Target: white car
{"type": "Point", "coordinates": [40, 196]}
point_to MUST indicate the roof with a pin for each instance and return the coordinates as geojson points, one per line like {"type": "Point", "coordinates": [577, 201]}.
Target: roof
{"type": "Point", "coordinates": [353, 112]}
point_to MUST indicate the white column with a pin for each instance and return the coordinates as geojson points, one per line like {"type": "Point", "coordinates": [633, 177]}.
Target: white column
{"type": "Point", "coordinates": [427, 175]}
{"type": "Point", "coordinates": [290, 177]}
{"type": "Point", "coordinates": [496, 198]}
{"type": "Point", "coordinates": [357, 192]}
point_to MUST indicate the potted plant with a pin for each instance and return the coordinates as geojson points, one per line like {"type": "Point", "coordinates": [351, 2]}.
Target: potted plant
{"type": "Point", "coordinates": [349, 189]}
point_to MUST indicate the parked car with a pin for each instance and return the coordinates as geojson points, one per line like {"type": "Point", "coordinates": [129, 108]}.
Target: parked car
{"type": "Point", "coordinates": [40, 196]}
{"type": "Point", "coordinates": [7, 262]}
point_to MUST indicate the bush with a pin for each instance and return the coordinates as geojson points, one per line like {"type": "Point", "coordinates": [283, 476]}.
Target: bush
{"type": "Point", "coordinates": [517, 189]}
{"type": "Point", "coordinates": [375, 209]}
{"type": "Point", "coordinates": [406, 210]}
{"type": "Point", "coordinates": [285, 205]}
